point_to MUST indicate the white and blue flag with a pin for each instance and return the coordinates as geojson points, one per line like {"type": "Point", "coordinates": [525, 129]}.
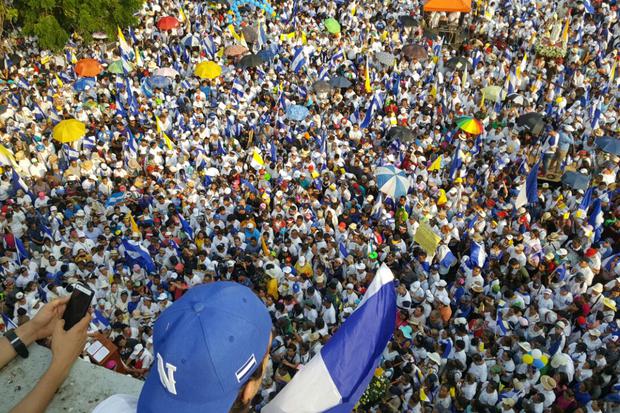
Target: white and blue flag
{"type": "Point", "coordinates": [138, 254]}
{"type": "Point", "coordinates": [115, 199]}
{"type": "Point", "coordinates": [374, 106]}
{"type": "Point", "coordinates": [334, 380]}
{"type": "Point", "coordinates": [587, 4]}
{"type": "Point", "coordinates": [22, 253]}
{"type": "Point", "coordinates": [446, 257]}
{"type": "Point", "coordinates": [299, 59]}
{"type": "Point", "coordinates": [186, 227]}
{"type": "Point", "coordinates": [477, 254]}
{"type": "Point", "coordinates": [237, 89]}
{"type": "Point", "coordinates": [528, 193]}
{"type": "Point", "coordinates": [596, 219]}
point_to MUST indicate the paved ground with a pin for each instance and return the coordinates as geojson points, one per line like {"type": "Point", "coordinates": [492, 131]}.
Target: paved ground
{"type": "Point", "coordinates": [86, 386]}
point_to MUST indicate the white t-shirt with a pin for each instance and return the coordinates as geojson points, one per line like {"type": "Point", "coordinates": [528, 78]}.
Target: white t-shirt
{"type": "Point", "coordinates": [119, 403]}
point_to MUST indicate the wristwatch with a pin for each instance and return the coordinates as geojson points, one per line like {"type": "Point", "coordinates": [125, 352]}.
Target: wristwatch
{"type": "Point", "coordinates": [17, 343]}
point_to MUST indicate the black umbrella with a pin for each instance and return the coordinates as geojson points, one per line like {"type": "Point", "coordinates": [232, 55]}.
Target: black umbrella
{"type": "Point", "coordinates": [321, 86]}
{"type": "Point", "coordinates": [249, 34]}
{"type": "Point", "coordinates": [457, 63]}
{"type": "Point", "coordinates": [408, 21]}
{"type": "Point", "coordinates": [532, 121]}
{"type": "Point", "coordinates": [576, 180]}
{"type": "Point", "coordinates": [250, 60]}
{"type": "Point", "coordinates": [340, 82]}
{"type": "Point", "coordinates": [400, 132]}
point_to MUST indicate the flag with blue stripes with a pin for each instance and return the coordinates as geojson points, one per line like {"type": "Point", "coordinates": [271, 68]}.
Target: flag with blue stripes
{"type": "Point", "coordinates": [456, 163]}
{"type": "Point", "coordinates": [355, 116]}
{"type": "Point", "coordinates": [135, 253]}
{"type": "Point", "coordinates": [131, 99]}
{"type": "Point", "coordinates": [18, 183]}
{"type": "Point", "coordinates": [528, 192]}
{"type": "Point", "coordinates": [238, 89]}
{"type": "Point", "coordinates": [38, 113]}
{"type": "Point", "coordinates": [282, 102]}
{"type": "Point", "coordinates": [334, 380]}
{"type": "Point", "coordinates": [446, 257]}
{"type": "Point", "coordinates": [262, 36]}
{"type": "Point", "coordinates": [501, 324]}
{"type": "Point", "coordinates": [248, 185]}
{"type": "Point", "coordinates": [344, 253]}
{"type": "Point", "coordinates": [100, 320]}
{"type": "Point", "coordinates": [89, 143]}
{"type": "Point", "coordinates": [375, 105]}
{"type": "Point", "coordinates": [299, 59]}
{"type": "Point", "coordinates": [611, 261]}
{"type": "Point", "coordinates": [132, 146]}
{"type": "Point", "coordinates": [70, 153]}
{"type": "Point", "coordinates": [596, 114]}
{"type": "Point", "coordinates": [596, 219]}
{"type": "Point", "coordinates": [22, 253]}
{"type": "Point", "coordinates": [115, 199]}
{"type": "Point", "coordinates": [186, 227]}
{"type": "Point", "coordinates": [8, 322]}
{"type": "Point", "coordinates": [22, 83]}
{"type": "Point", "coordinates": [220, 149]}
{"type": "Point", "coordinates": [561, 272]}
{"type": "Point", "coordinates": [477, 254]}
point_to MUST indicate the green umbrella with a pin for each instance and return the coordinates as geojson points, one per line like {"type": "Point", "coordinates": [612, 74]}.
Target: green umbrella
{"type": "Point", "coordinates": [116, 67]}
{"type": "Point", "coordinates": [332, 25]}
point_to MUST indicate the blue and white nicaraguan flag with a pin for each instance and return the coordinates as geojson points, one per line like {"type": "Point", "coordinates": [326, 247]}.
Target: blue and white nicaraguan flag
{"type": "Point", "coordinates": [334, 380]}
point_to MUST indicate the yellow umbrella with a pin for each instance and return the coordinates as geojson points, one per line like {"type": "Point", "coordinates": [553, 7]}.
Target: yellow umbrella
{"type": "Point", "coordinates": [208, 70]}
{"type": "Point", "coordinates": [69, 130]}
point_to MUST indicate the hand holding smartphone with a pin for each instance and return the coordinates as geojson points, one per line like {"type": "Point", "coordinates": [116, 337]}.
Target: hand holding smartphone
{"type": "Point", "coordinates": [77, 306]}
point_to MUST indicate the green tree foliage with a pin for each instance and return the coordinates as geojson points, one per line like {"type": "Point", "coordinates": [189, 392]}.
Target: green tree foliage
{"type": "Point", "coordinates": [53, 21]}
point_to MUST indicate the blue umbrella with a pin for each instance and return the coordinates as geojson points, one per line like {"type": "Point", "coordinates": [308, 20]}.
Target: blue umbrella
{"type": "Point", "coordinates": [609, 145]}
{"type": "Point", "coordinates": [266, 54]}
{"type": "Point", "coordinates": [576, 180]}
{"type": "Point", "coordinates": [82, 83]}
{"type": "Point", "coordinates": [297, 112]}
{"type": "Point", "coordinates": [159, 81]}
{"type": "Point", "coordinates": [392, 181]}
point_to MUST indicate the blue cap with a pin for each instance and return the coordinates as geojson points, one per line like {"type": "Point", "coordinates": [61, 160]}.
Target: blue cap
{"type": "Point", "coordinates": [206, 347]}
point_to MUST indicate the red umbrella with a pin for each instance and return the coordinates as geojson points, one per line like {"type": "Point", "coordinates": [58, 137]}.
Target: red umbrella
{"type": "Point", "coordinates": [168, 23]}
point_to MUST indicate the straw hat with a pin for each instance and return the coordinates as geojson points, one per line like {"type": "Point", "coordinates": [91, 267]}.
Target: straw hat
{"type": "Point", "coordinates": [548, 383]}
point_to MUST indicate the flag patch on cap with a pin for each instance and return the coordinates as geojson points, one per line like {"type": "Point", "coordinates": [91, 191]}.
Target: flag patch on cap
{"type": "Point", "coordinates": [245, 369]}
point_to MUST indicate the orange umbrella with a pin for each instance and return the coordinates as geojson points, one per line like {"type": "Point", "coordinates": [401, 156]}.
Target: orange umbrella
{"type": "Point", "coordinates": [448, 5]}
{"type": "Point", "coordinates": [88, 67]}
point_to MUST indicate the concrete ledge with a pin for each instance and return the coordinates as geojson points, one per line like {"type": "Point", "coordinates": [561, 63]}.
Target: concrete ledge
{"type": "Point", "coordinates": [86, 386]}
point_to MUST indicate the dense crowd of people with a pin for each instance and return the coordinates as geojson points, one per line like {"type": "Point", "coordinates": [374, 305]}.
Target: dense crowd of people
{"type": "Point", "coordinates": [181, 181]}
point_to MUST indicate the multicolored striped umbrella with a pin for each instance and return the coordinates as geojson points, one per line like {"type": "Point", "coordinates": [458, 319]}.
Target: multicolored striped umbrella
{"type": "Point", "coordinates": [470, 125]}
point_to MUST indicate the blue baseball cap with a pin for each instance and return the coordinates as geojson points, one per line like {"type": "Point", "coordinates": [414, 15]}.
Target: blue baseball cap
{"type": "Point", "coordinates": [206, 347]}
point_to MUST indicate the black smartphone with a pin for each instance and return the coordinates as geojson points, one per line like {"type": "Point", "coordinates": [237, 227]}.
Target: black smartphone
{"type": "Point", "coordinates": [78, 305]}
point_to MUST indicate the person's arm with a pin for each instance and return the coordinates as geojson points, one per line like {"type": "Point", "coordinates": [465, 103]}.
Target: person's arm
{"type": "Point", "coordinates": [66, 347]}
{"type": "Point", "coordinates": [41, 326]}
